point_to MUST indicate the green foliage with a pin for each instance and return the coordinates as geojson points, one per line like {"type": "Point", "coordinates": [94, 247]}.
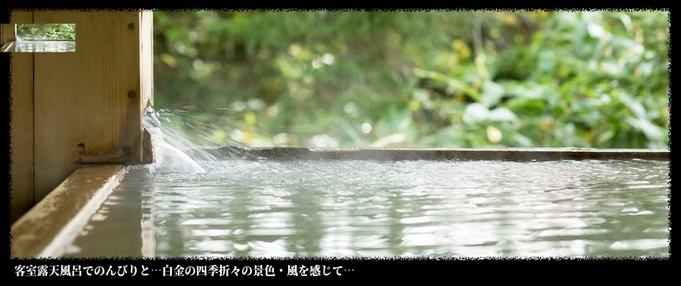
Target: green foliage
{"type": "Point", "coordinates": [46, 31]}
{"type": "Point", "coordinates": [418, 79]}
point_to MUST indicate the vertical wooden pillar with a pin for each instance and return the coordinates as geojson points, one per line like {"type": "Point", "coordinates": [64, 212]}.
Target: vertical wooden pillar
{"type": "Point", "coordinates": [21, 125]}
{"type": "Point", "coordinates": [146, 59]}
{"type": "Point", "coordinates": [86, 105]}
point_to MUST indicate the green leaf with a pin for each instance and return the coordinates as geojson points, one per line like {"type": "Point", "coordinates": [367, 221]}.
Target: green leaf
{"type": "Point", "coordinates": [421, 95]}
{"type": "Point", "coordinates": [522, 140]}
{"type": "Point", "coordinates": [501, 114]}
{"type": "Point", "coordinates": [452, 83]}
{"type": "Point", "coordinates": [596, 30]}
{"type": "Point", "coordinates": [475, 113]}
{"type": "Point", "coordinates": [634, 105]}
{"type": "Point", "coordinates": [492, 93]}
{"type": "Point", "coordinates": [650, 130]}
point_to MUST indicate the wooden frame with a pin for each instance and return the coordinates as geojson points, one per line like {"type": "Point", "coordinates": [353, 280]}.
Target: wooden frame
{"type": "Point", "coordinates": [81, 107]}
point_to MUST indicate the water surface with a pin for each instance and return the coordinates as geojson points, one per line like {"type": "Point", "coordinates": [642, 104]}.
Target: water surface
{"type": "Point", "coordinates": [43, 46]}
{"type": "Point", "coordinates": [591, 208]}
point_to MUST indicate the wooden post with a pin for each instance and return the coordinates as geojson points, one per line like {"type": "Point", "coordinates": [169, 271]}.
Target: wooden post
{"type": "Point", "coordinates": [21, 124]}
{"type": "Point", "coordinates": [80, 107]}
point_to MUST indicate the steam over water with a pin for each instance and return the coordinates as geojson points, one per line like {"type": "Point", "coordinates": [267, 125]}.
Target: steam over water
{"type": "Point", "coordinates": [591, 208]}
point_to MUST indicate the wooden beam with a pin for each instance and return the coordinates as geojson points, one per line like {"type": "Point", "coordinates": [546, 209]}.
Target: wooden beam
{"type": "Point", "coordinates": [21, 122]}
{"type": "Point", "coordinates": [146, 76]}
{"type": "Point", "coordinates": [55, 221]}
{"type": "Point", "coordinates": [398, 154]}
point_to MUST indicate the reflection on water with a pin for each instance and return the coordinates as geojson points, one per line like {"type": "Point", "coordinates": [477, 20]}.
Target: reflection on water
{"type": "Point", "coordinates": [43, 46]}
{"type": "Point", "coordinates": [403, 208]}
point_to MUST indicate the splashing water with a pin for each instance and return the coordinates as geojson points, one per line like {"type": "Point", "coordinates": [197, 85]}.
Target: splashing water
{"type": "Point", "coordinates": [167, 158]}
{"type": "Point", "coordinates": [180, 152]}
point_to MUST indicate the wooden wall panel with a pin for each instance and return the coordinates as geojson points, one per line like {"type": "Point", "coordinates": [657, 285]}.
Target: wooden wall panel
{"type": "Point", "coordinates": [147, 58]}
{"type": "Point", "coordinates": [21, 124]}
{"type": "Point", "coordinates": [95, 96]}
{"type": "Point", "coordinates": [86, 97]}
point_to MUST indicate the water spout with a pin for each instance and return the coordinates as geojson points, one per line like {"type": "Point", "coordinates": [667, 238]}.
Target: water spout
{"type": "Point", "coordinates": [167, 158]}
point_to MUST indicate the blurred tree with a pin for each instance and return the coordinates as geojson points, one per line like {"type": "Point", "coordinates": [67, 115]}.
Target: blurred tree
{"type": "Point", "coordinates": [46, 31]}
{"type": "Point", "coordinates": [417, 79]}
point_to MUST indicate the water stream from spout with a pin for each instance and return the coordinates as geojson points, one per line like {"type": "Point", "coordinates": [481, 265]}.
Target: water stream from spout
{"type": "Point", "coordinates": [167, 157]}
